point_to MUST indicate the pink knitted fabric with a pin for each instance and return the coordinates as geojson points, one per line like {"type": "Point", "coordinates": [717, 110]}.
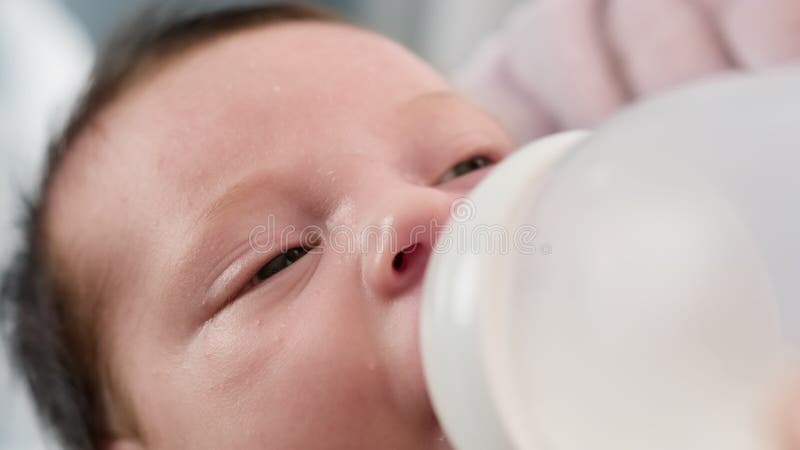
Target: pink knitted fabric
{"type": "Point", "coordinates": [563, 64]}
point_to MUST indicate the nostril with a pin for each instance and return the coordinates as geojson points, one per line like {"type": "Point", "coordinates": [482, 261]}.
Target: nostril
{"type": "Point", "coordinates": [398, 262]}
{"type": "Point", "coordinates": [407, 271]}
{"type": "Point", "coordinates": [401, 260]}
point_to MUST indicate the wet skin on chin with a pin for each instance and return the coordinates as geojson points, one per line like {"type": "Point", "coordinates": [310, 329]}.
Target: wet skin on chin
{"type": "Point", "coordinates": [302, 125]}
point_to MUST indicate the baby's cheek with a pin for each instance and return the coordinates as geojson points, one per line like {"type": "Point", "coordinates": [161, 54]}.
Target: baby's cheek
{"type": "Point", "coordinates": [229, 381]}
{"type": "Point", "coordinates": [285, 376]}
{"type": "Point", "coordinates": [404, 361]}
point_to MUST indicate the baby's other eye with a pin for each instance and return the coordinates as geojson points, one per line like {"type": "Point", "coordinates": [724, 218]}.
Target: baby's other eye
{"type": "Point", "coordinates": [465, 167]}
{"type": "Point", "coordinates": [278, 263]}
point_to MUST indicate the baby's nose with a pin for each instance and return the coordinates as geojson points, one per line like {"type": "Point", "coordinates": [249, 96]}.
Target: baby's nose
{"type": "Point", "coordinates": [395, 263]}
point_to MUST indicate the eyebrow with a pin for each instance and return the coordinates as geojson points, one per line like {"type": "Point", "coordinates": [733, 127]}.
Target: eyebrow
{"type": "Point", "coordinates": [442, 100]}
{"type": "Point", "coordinates": [241, 191]}
{"type": "Point", "coordinates": [443, 95]}
{"type": "Point", "coordinates": [232, 196]}
{"type": "Point", "coordinates": [204, 225]}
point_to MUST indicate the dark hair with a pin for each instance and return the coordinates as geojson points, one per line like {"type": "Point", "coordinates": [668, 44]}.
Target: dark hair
{"type": "Point", "coordinates": [58, 370]}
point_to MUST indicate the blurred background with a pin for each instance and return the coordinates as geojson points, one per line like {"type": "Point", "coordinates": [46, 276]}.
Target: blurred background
{"type": "Point", "coordinates": [46, 49]}
{"type": "Point", "coordinates": [442, 31]}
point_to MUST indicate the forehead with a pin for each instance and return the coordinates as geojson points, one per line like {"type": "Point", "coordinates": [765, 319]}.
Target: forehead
{"type": "Point", "coordinates": [261, 89]}
{"type": "Point", "coordinates": [250, 94]}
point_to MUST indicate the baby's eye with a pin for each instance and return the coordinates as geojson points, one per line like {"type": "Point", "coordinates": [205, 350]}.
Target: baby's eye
{"type": "Point", "coordinates": [465, 167]}
{"type": "Point", "coordinates": [279, 263]}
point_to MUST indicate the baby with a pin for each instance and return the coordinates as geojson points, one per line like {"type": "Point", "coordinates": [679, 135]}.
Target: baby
{"type": "Point", "coordinates": [162, 304]}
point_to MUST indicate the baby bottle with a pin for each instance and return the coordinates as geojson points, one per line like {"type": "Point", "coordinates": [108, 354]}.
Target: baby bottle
{"type": "Point", "coordinates": [632, 288]}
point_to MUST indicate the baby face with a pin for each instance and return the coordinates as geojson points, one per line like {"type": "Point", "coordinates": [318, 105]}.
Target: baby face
{"type": "Point", "coordinates": [210, 194]}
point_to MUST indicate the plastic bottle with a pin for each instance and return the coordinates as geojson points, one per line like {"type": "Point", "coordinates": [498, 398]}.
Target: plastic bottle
{"type": "Point", "coordinates": [648, 293]}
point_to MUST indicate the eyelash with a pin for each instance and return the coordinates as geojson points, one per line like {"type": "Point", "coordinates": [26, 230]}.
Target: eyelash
{"type": "Point", "coordinates": [278, 263]}
{"type": "Point", "coordinates": [468, 165]}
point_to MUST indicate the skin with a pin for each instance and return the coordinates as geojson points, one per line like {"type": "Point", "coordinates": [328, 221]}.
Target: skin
{"type": "Point", "coordinates": [312, 124]}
